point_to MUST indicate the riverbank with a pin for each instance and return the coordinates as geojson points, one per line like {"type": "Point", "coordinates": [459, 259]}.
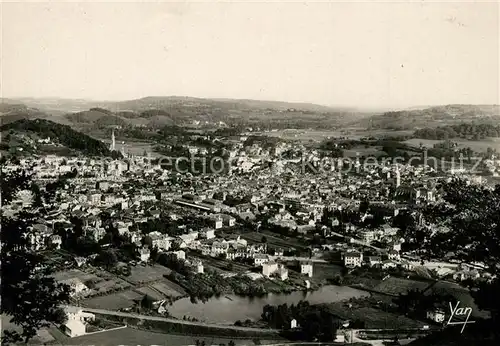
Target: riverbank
{"type": "Point", "coordinates": [372, 312]}
{"type": "Point", "coordinates": [214, 284]}
{"type": "Point", "coordinates": [375, 281]}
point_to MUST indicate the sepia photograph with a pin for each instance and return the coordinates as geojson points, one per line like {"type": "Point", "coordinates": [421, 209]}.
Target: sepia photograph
{"type": "Point", "coordinates": [243, 173]}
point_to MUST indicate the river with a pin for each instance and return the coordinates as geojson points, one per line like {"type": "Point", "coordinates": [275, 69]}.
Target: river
{"type": "Point", "coordinates": [229, 309]}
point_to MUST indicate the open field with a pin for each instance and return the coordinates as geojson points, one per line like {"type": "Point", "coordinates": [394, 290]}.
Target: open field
{"type": "Point", "coordinates": [126, 299]}
{"type": "Point", "coordinates": [169, 290]}
{"type": "Point", "coordinates": [326, 271]}
{"type": "Point", "coordinates": [115, 301]}
{"type": "Point", "coordinates": [98, 282]}
{"type": "Point", "coordinates": [149, 273]}
{"type": "Point", "coordinates": [72, 274]}
{"type": "Point", "coordinates": [131, 336]}
{"type": "Point", "coordinates": [308, 135]}
{"type": "Point", "coordinates": [273, 240]}
{"type": "Point", "coordinates": [395, 286]}
{"type": "Point", "coordinates": [146, 290]}
{"type": "Point", "coordinates": [364, 151]}
{"type": "Point", "coordinates": [479, 146]}
{"type": "Point", "coordinates": [373, 318]}
{"type": "Point", "coordinates": [134, 147]}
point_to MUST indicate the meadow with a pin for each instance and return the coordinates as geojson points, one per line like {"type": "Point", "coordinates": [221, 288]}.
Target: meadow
{"type": "Point", "coordinates": [479, 146]}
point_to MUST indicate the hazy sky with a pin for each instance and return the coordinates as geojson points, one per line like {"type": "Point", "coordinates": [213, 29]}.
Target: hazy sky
{"type": "Point", "coordinates": [356, 54]}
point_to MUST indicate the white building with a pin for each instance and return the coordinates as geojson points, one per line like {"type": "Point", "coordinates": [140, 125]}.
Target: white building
{"type": "Point", "coordinates": [273, 268]}
{"type": "Point", "coordinates": [198, 267]}
{"type": "Point", "coordinates": [436, 315]}
{"type": "Point", "coordinates": [77, 319]}
{"type": "Point", "coordinates": [162, 241]}
{"type": "Point", "coordinates": [216, 221]}
{"type": "Point", "coordinates": [144, 254]}
{"type": "Point", "coordinates": [389, 264]}
{"type": "Point", "coordinates": [219, 247]}
{"type": "Point", "coordinates": [282, 272]}
{"type": "Point", "coordinates": [260, 259]}
{"type": "Point", "coordinates": [308, 284]}
{"type": "Point", "coordinates": [353, 259]}
{"type": "Point", "coordinates": [76, 285]}
{"type": "Point", "coordinates": [98, 233]}
{"type": "Point", "coordinates": [367, 235]}
{"type": "Point", "coordinates": [56, 241]}
{"type": "Point", "coordinates": [394, 255]}
{"type": "Point", "coordinates": [180, 255]}
{"type": "Point", "coordinates": [306, 268]}
{"type": "Point", "coordinates": [207, 233]}
{"type": "Point", "coordinates": [269, 268]}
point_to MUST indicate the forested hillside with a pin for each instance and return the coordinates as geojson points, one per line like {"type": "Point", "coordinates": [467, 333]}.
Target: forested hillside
{"type": "Point", "coordinates": [63, 134]}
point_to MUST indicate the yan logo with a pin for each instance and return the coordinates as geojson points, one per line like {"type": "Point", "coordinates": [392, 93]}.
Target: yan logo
{"type": "Point", "coordinates": [460, 312]}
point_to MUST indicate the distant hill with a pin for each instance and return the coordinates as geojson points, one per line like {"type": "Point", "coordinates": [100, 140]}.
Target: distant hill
{"type": "Point", "coordinates": [58, 106]}
{"type": "Point", "coordinates": [184, 110]}
{"type": "Point", "coordinates": [433, 117]}
{"type": "Point", "coordinates": [165, 102]}
{"type": "Point", "coordinates": [13, 110]}
{"type": "Point", "coordinates": [159, 111]}
{"type": "Point", "coordinates": [7, 106]}
{"type": "Point", "coordinates": [62, 134]}
{"type": "Point", "coordinates": [128, 114]}
{"type": "Point", "coordinates": [95, 115]}
{"type": "Point", "coordinates": [177, 110]}
{"type": "Point", "coordinates": [20, 112]}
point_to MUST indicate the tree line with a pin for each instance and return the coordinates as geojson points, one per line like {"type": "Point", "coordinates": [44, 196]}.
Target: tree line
{"type": "Point", "coordinates": [463, 130]}
{"type": "Point", "coordinates": [64, 134]}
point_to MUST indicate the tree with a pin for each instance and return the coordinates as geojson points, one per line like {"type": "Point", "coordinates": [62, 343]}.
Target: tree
{"type": "Point", "coordinates": [363, 206]}
{"type": "Point", "coordinates": [473, 215]}
{"type": "Point", "coordinates": [154, 254]}
{"type": "Point", "coordinates": [107, 258]}
{"type": "Point", "coordinates": [29, 295]}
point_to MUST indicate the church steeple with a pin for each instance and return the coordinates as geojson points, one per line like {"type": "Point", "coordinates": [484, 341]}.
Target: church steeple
{"type": "Point", "coordinates": [112, 146]}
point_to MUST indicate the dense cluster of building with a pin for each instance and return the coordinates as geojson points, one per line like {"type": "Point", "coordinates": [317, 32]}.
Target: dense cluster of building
{"type": "Point", "coordinates": [260, 188]}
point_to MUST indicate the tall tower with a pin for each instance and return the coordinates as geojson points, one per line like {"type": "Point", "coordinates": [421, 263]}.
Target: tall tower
{"type": "Point", "coordinates": [398, 177]}
{"type": "Point", "coordinates": [123, 150]}
{"type": "Point", "coordinates": [112, 147]}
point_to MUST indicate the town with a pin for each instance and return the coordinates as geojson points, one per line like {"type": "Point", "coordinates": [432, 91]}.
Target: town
{"type": "Point", "coordinates": [132, 235]}
{"type": "Point", "coordinates": [248, 173]}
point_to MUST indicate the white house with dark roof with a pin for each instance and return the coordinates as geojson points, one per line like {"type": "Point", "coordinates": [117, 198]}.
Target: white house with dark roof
{"type": "Point", "coordinates": [393, 255]}
{"type": "Point", "coordinates": [306, 268]}
{"type": "Point", "coordinates": [353, 259]}
{"type": "Point", "coordinates": [76, 285]}
{"type": "Point", "coordinates": [260, 259]}
{"type": "Point", "coordinates": [76, 321]}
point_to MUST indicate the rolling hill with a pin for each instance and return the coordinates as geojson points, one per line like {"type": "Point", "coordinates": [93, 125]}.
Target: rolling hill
{"type": "Point", "coordinates": [432, 117]}
{"type": "Point", "coordinates": [241, 112]}
{"type": "Point", "coordinates": [160, 111]}
{"type": "Point", "coordinates": [62, 135]}
{"type": "Point", "coordinates": [155, 112]}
